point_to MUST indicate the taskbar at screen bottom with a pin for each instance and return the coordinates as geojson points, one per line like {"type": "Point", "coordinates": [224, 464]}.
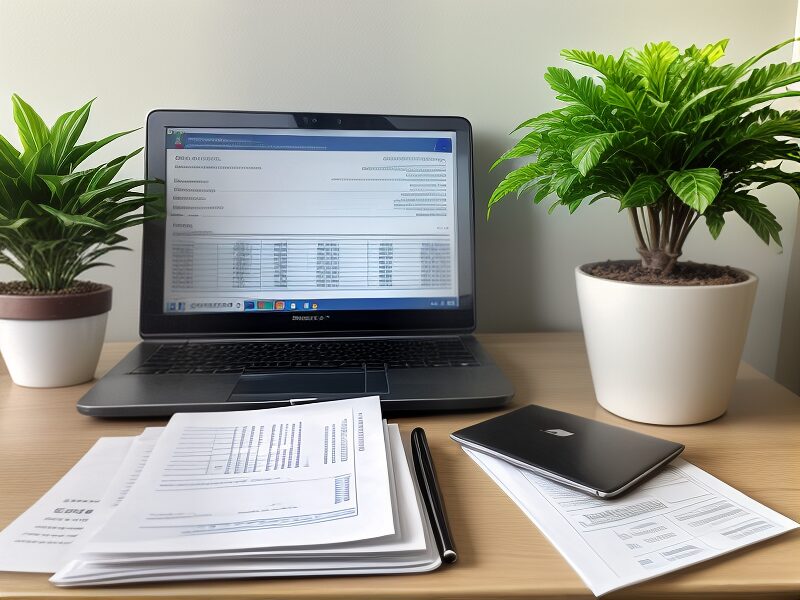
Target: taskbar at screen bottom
{"type": "Point", "coordinates": [271, 305]}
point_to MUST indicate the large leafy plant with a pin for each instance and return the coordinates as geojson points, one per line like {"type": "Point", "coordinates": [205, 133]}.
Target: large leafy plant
{"type": "Point", "coordinates": [670, 135]}
{"type": "Point", "coordinates": [55, 221]}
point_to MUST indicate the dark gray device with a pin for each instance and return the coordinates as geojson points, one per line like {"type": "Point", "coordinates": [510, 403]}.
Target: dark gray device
{"type": "Point", "coordinates": [596, 458]}
{"type": "Point", "coordinates": [305, 256]}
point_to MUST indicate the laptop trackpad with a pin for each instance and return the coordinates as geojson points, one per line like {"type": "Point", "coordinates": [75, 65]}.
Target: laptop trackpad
{"type": "Point", "coordinates": [293, 384]}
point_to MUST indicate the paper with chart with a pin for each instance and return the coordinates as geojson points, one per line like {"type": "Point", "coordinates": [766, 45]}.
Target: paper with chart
{"type": "Point", "coordinates": [410, 549]}
{"type": "Point", "coordinates": [55, 529]}
{"type": "Point", "coordinates": [303, 475]}
{"type": "Point", "coordinates": [680, 517]}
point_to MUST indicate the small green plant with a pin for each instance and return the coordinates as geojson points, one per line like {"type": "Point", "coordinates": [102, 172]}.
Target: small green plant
{"type": "Point", "coordinates": [670, 135]}
{"type": "Point", "coordinates": [56, 222]}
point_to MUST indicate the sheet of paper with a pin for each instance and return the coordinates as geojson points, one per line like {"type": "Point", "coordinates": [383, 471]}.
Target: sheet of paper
{"type": "Point", "coordinates": [408, 536]}
{"type": "Point", "coordinates": [44, 536]}
{"type": "Point", "coordinates": [128, 472]}
{"type": "Point", "coordinates": [56, 528]}
{"type": "Point", "coordinates": [680, 517]}
{"type": "Point", "coordinates": [410, 549]}
{"type": "Point", "coordinates": [294, 476]}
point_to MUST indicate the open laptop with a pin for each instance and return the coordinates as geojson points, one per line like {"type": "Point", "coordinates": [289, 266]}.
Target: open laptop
{"type": "Point", "coordinates": [305, 256]}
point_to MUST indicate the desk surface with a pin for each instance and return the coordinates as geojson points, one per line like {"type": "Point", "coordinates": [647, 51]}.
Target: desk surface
{"type": "Point", "coordinates": [755, 447]}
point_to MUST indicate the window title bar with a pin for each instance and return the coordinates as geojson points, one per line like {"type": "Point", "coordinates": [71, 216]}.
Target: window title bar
{"type": "Point", "coordinates": [181, 140]}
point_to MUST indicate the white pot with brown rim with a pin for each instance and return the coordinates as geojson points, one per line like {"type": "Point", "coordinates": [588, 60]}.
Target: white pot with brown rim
{"type": "Point", "coordinates": [53, 340]}
{"type": "Point", "coordinates": [664, 354]}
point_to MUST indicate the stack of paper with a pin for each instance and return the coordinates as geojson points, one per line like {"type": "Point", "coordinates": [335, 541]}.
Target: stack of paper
{"type": "Point", "coordinates": [680, 517]}
{"type": "Point", "coordinates": [316, 489]}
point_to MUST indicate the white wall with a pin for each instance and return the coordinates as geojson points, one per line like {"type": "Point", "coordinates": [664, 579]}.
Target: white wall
{"type": "Point", "coordinates": [476, 58]}
{"type": "Point", "coordinates": [787, 370]}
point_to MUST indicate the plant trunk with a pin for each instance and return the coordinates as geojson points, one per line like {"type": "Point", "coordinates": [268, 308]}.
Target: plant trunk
{"type": "Point", "coordinates": [661, 229]}
{"type": "Point", "coordinates": [658, 260]}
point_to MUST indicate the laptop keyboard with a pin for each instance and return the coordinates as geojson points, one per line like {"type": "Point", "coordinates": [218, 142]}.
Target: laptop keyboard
{"type": "Point", "coordinates": [264, 357]}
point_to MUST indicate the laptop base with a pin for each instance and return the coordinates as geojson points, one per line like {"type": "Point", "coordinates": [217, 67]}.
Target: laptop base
{"type": "Point", "coordinates": [409, 390]}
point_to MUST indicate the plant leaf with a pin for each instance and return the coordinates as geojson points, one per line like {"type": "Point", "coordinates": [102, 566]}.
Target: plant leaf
{"type": "Point", "coordinates": [586, 152]}
{"type": "Point", "coordinates": [711, 53]}
{"type": "Point", "coordinates": [646, 190]}
{"type": "Point", "coordinates": [13, 223]}
{"type": "Point", "coordinates": [610, 68]}
{"type": "Point", "coordinates": [715, 221]}
{"type": "Point", "coordinates": [104, 175]}
{"type": "Point", "coordinates": [755, 214]}
{"type": "Point", "coordinates": [33, 133]}
{"type": "Point", "coordinates": [84, 151]}
{"type": "Point", "coordinates": [65, 133]}
{"type": "Point", "coordinates": [55, 185]}
{"type": "Point", "coordinates": [30, 168]}
{"type": "Point", "coordinates": [678, 117]}
{"type": "Point", "coordinates": [582, 91]}
{"type": "Point", "coordinates": [108, 191]}
{"type": "Point", "coordinates": [525, 147]}
{"type": "Point", "coordinates": [10, 162]}
{"type": "Point", "coordinates": [70, 220]}
{"type": "Point", "coordinates": [628, 100]}
{"type": "Point", "coordinates": [7, 187]}
{"type": "Point", "coordinates": [512, 182]}
{"type": "Point", "coordinates": [652, 64]}
{"type": "Point", "coordinates": [696, 187]}
{"type": "Point", "coordinates": [740, 106]}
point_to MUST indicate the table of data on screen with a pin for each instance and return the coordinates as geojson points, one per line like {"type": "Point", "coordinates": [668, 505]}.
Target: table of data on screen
{"type": "Point", "coordinates": [225, 263]}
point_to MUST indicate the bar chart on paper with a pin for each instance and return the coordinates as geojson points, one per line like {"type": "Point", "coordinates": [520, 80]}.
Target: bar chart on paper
{"type": "Point", "coordinates": [242, 449]}
{"type": "Point", "coordinates": [233, 450]}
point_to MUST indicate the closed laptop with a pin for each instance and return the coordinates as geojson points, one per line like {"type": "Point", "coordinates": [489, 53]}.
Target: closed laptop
{"type": "Point", "coordinates": [588, 455]}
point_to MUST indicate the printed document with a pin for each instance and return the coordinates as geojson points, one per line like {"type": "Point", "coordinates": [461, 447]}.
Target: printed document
{"type": "Point", "coordinates": [44, 536]}
{"type": "Point", "coordinates": [55, 529]}
{"type": "Point", "coordinates": [680, 517]}
{"type": "Point", "coordinates": [318, 489]}
{"type": "Point", "coordinates": [281, 477]}
{"type": "Point", "coordinates": [410, 549]}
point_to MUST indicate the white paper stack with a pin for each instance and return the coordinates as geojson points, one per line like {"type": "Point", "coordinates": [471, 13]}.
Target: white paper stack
{"type": "Point", "coordinates": [316, 489]}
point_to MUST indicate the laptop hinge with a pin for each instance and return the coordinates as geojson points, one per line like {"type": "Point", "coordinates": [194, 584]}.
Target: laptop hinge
{"type": "Point", "coordinates": [296, 338]}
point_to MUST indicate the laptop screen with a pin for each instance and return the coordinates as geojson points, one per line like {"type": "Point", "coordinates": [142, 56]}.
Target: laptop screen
{"type": "Point", "coordinates": [265, 220]}
{"type": "Point", "coordinates": [300, 223]}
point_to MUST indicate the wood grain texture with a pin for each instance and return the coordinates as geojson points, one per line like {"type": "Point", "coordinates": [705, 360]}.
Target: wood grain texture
{"type": "Point", "coordinates": [755, 447]}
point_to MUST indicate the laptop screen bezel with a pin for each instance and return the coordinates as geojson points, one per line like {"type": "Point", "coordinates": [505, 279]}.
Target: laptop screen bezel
{"type": "Point", "coordinates": [155, 323]}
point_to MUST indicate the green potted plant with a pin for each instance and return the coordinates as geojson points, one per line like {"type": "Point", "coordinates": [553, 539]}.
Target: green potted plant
{"type": "Point", "coordinates": [56, 222]}
{"type": "Point", "coordinates": [675, 138]}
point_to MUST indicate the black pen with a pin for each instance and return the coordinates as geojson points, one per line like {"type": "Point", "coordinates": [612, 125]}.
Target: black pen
{"type": "Point", "coordinates": [429, 486]}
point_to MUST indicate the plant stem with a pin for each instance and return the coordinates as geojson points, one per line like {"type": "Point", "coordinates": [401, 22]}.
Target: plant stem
{"type": "Point", "coordinates": [687, 229]}
{"type": "Point", "coordinates": [663, 236]}
{"type": "Point", "coordinates": [660, 230]}
{"type": "Point", "coordinates": [637, 228]}
{"type": "Point", "coordinates": [654, 228]}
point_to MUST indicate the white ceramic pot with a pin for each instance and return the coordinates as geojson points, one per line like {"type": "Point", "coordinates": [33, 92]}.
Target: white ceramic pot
{"type": "Point", "coordinates": [660, 354]}
{"type": "Point", "coordinates": [53, 341]}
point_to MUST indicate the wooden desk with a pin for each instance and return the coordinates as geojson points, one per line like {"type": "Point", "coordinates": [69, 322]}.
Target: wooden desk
{"type": "Point", "coordinates": [755, 447]}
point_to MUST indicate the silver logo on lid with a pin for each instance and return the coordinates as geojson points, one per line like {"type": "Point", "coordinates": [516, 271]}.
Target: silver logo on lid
{"type": "Point", "coordinates": [558, 432]}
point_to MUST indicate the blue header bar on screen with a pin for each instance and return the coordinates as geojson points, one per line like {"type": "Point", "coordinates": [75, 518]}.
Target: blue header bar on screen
{"type": "Point", "coordinates": [319, 143]}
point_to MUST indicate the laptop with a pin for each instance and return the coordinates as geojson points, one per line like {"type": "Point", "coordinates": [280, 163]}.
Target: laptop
{"type": "Point", "coordinates": [305, 257]}
{"type": "Point", "coordinates": [596, 458]}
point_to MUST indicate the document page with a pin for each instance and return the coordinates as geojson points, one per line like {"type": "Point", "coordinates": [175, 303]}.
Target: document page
{"type": "Point", "coordinates": [44, 536]}
{"type": "Point", "coordinates": [410, 549]}
{"type": "Point", "coordinates": [129, 469]}
{"type": "Point", "coordinates": [56, 528]}
{"type": "Point", "coordinates": [680, 517]}
{"type": "Point", "coordinates": [293, 476]}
